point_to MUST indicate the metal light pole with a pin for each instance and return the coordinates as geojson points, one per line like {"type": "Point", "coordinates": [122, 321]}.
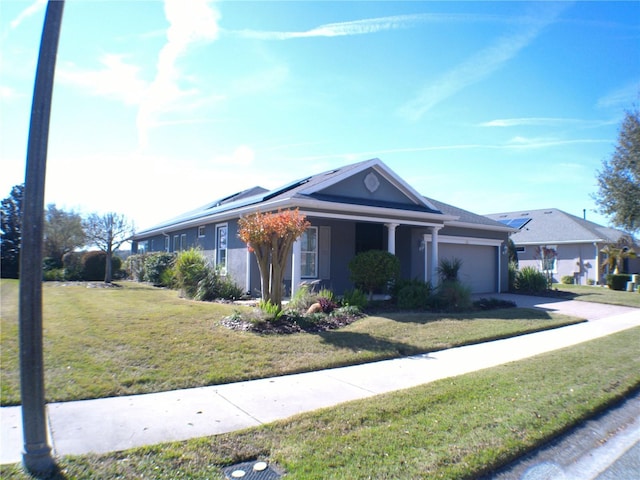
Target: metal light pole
{"type": "Point", "coordinates": [36, 455]}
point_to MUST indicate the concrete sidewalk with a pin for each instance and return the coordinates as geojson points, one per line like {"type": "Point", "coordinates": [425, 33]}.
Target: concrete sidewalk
{"type": "Point", "coordinates": [119, 423]}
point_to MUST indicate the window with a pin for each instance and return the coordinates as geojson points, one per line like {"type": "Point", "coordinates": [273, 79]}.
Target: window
{"type": "Point", "coordinates": [183, 241]}
{"type": "Point", "coordinates": [521, 249]}
{"type": "Point", "coordinates": [176, 243]}
{"type": "Point", "coordinates": [166, 244]}
{"type": "Point", "coordinates": [201, 231]}
{"type": "Point", "coordinates": [309, 253]}
{"type": "Point", "coordinates": [221, 248]}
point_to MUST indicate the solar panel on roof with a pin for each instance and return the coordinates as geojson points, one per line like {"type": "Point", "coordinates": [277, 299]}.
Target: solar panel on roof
{"type": "Point", "coordinates": [515, 222]}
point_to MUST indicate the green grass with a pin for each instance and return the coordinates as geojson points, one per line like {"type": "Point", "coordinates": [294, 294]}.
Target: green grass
{"type": "Point", "coordinates": [101, 342]}
{"type": "Point", "coordinates": [600, 294]}
{"type": "Point", "coordinates": [458, 428]}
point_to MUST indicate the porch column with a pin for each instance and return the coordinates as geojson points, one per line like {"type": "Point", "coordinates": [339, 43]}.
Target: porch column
{"type": "Point", "coordinates": [295, 267]}
{"type": "Point", "coordinates": [425, 242]}
{"type": "Point", "coordinates": [434, 255]}
{"type": "Point", "coordinates": [247, 274]}
{"type": "Point", "coordinates": [391, 237]}
{"type": "Point", "coordinates": [596, 276]}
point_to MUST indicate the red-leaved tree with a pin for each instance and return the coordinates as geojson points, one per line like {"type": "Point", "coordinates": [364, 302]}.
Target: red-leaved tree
{"type": "Point", "coordinates": [270, 237]}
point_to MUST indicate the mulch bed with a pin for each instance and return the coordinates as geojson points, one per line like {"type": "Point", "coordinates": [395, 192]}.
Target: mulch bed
{"type": "Point", "coordinates": [289, 324]}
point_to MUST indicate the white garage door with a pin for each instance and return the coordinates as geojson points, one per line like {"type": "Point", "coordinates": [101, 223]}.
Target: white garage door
{"type": "Point", "coordinates": [479, 265]}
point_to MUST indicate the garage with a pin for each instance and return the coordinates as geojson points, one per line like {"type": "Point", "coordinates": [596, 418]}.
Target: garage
{"type": "Point", "coordinates": [479, 263]}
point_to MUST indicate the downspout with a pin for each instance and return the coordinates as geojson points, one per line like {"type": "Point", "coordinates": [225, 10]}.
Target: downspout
{"type": "Point", "coordinates": [596, 276]}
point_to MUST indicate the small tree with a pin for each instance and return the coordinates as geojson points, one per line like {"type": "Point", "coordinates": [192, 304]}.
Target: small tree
{"type": "Point", "coordinates": [11, 226]}
{"type": "Point", "coordinates": [62, 233]}
{"type": "Point", "coordinates": [108, 232]}
{"type": "Point", "coordinates": [270, 237]}
{"type": "Point", "coordinates": [617, 253]}
{"type": "Point", "coordinates": [374, 269]}
{"type": "Point", "coordinates": [547, 257]}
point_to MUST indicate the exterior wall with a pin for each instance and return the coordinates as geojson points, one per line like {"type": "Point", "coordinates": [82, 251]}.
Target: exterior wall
{"type": "Point", "coordinates": [354, 187]}
{"type": "Point", "coordinates": [576, 259]}
{"type": "Point", "coordinates": [337, 246]}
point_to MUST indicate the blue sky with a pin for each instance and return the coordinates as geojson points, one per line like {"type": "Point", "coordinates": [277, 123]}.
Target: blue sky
{"type": "Point", "coordinates": [160, 107]}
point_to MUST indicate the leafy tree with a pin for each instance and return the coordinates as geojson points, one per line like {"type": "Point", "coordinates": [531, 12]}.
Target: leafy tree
{"type": "Point", "coordinates": [374, 269]}
{"type": "Point", "coordinates": [11, 226]}
{"type": "Point", "coordinates": [270, 237]}
{"type": "Point", "coordinates": [617, 253]}
{"type": "Point", "coordinates": [618, 193]}
{"type": "Point", "coordinates": [107, 232]}
{"type": "Point", "coordinates": [63, 233]}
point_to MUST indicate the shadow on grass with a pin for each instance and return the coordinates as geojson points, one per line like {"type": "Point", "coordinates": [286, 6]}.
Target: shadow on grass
{"type": "Point", "coordinates": [500, 314]}
{"type": "Point", "coordinates": [364, 342]}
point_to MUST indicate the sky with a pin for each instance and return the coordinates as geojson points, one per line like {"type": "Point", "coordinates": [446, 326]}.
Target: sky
{"type": "Point", "coordinates": [162, 106]}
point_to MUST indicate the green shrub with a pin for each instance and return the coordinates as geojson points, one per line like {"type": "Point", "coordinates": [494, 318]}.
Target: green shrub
{"type": "Point", "coordinates": [618, 281]}
{"type": "Point", "coordinates": [567, 280]}
{"type": "Point", "coordinates": [325, 293]}
{"type": "Point", "coordinates": [303, 298]}
{"type": "Point", "coordinates": [374, 270]}
{"type": "Point", "coordinates": [72, 264]}
{"type": "Point", "coordinates": [414, 295]}
{"type": "Point", "coordinates": [355, 298]}
{"type": "Point", "coordinates": [155, 265]}
{"type": "Point", "coordinates": [228, 289]}
{"type": "Point", "coordinates": [531, 280]}
{"type": "Point", "coordinates": [454, 296]}
{"type": "Point", "coordinates": [134, 266]}
{"type": "Point", "coordinates": [272, 311]}
{"type": "Point", "coordinates": [94, 264]}
{"type": "Point", "coordinates": [53, 275]}
{"type": "Point", "coordinates": [513, 272]}
{"type": "Point", "coordinates": [190, 269]}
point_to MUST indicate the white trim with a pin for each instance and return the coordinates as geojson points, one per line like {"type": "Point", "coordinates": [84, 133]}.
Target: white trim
{"type": "Point", "coordinates": [490, 242]}
{"type": "Point", "coordinates": [218, 228]}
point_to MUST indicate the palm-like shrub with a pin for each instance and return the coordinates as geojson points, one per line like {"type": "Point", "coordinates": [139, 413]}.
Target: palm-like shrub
{"type": "Point", "coordinates": [189, 270]}
{"type": "Point", "coordinates": [531, 280]}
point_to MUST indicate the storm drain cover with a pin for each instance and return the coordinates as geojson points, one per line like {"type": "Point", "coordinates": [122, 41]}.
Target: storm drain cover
{"type": "Point", "coordinates": [255, 470]}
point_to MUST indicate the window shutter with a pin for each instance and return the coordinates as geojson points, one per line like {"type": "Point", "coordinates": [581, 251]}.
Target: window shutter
{"type": "Point", "coordinates": [324, 253]}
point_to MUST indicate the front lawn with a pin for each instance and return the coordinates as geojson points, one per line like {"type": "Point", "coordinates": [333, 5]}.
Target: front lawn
{"type": "Point", "coordinates": [455, 428]}
{"type": "Point", "coordinates": [134, 338]}
{"type": "Point", "coordinates": [599, 294]}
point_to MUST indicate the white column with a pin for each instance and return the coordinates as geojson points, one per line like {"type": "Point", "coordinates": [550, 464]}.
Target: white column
{"type": "Point", "coordinates": [434, 256]}
{"type": "Point", "coordinates": [425, 240]}
{"type": "Point", "coordinates": [295, 267]}
{"type": "Point", "coordinates": [596, 276]}
{"type": "Point", "coordinates": [391, 237]}
{"type": "Point", "coordinates": [247, 276]}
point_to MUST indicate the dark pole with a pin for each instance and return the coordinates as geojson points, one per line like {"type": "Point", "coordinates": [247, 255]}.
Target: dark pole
{"type": "Point", "coordinates": [36, 455]}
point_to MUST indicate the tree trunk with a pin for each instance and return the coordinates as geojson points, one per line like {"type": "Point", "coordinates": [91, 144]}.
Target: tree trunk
{"type": "Point", "coordinates": [107, 267]}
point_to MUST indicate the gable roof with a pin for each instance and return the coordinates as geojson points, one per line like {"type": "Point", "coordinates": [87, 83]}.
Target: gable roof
{"type": "Point", "coordinates": [552, 226]}
{"type": "Point", "coordinates": [363, 190]}
{"type": "Point", "coordinates": [466, 218]}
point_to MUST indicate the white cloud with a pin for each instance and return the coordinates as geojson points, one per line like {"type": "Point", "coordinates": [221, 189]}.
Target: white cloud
{"type": "Point", "coordinates": [31, 10]}
{"type": "Point", "coordinates": [8, 93]}
{"type": "Point", "coordinates": [623, 96]}
{"type": "Point", "coordinates": [369, 26]}
{"type": "Point", "coordinates": [479, 66]}
{"type": "Point", "coordinates": [190, 23]}
{"type": "Point", "coordinates": [530, 121]}
{"type": "Point", "coordinates": [116, 79]}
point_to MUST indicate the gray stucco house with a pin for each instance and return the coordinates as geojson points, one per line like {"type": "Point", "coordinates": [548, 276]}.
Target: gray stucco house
{"type": "Point", "coordinates": [355, 208]}
{"type": "Point", "coordinates": [576, 241]}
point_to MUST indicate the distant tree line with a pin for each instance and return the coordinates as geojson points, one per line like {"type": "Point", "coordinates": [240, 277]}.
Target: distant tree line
{"type": "Point", "coordinates": [65, 232]}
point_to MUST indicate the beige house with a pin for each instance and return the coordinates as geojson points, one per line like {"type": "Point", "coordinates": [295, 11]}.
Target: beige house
{"type": "Point", "coordinates": [577, 243]}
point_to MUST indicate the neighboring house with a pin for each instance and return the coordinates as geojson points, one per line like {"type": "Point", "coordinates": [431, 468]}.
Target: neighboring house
{"type": "Point", "coordinates": [577, 243]}
{"type": "Point", "coordinates": [355, 208]}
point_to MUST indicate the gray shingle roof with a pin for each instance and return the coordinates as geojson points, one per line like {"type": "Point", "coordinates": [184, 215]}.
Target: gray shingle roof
{"type": "Point", "coordinates": [550, 225]}
{"type": "Point", "coordinates": [465, 216]}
